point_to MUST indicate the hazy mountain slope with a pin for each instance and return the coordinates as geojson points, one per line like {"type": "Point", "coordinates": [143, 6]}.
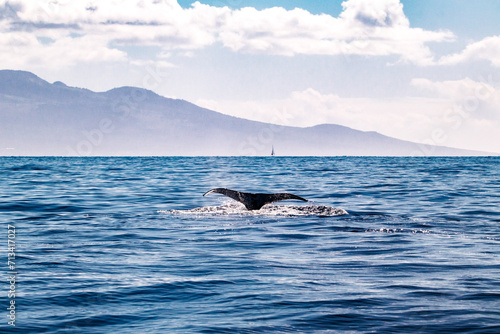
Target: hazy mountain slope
{"type": "Point", "coordinates": [39, 118]}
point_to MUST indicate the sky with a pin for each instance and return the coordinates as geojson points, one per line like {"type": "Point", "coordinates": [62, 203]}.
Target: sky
{"type": "Point", "coordinates": [426, 71]}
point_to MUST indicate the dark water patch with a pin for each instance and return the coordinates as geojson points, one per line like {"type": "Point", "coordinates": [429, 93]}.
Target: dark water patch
{"type": "Point", "coordinates": [427, 267]}
{"type": "Point", "coordinates": [100, 322]}
{"type": "Point", "coordinates": [484, 296]}
{"type": "Point", "coordinates": [475, 326]}
{"type": "Point", "coordinates": [429, 293]}
{"type": "Point", "coordinates": [232, 329]}
{"type": "Point", "coordinates": [38, 207]}
{"type": "Point", "coordinates": [487, 213]}
{"type": "Point", "coordinates": [291, 236]}
{"type": "Point", "coordinates": [29, 167]}
{"type": "Point", "coordinates": [47, 264]}
{"type": "Point", "coordinates": [121, 236]}
{"type": "Point", "coordinates": [41, 218]}
{"type": "Point", "coordinates": [329, 304]}
{"type": "Point", "coordinates": [345, 229]}
{"type": "Point", "coordinates": [381, 185]}
{"type": "Point", "coordinates": [342, 322]}
{"type": "Point", "coordinates": [53, 231]}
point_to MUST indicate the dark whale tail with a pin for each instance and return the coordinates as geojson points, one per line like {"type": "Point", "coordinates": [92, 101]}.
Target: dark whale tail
{"type": "Point", "coordinates": [254, 201]}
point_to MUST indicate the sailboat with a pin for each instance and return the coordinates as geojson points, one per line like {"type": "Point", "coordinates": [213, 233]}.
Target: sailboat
{"type": "Point", "coordinates": [272, 151]}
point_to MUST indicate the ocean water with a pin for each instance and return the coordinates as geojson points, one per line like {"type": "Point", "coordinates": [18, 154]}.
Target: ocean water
{"type": "Point", "coordinates": [130, 245]}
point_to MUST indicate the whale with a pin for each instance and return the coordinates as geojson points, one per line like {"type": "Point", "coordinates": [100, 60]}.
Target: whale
{"type": "Point", "coordinates": [254, 201]}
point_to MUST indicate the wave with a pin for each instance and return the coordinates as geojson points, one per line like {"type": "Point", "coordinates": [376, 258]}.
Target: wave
{"type": "Point", "coordinates": [267, 210]}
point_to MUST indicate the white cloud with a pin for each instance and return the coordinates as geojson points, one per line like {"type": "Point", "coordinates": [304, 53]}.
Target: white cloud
{"type": "Point", "coordinates": [385, 13]}
{"type": "Point", "coordinates": [370, 28]}
{"type": "Point", "coordinates": [486, 49]}
{"type": "Point", "coordinates": [459, 121]}
{"type": "Point", "coordinates": [81, 32]}
{"type": "Point", "coordinates": [473, 100]}
{"type": "Point", "coordinates": [461, 89]}
{"type": "Point", "coordinates": [25, 50]}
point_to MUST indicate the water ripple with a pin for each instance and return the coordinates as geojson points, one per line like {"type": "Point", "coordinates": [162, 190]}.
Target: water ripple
{"type": "Point", "coordinates": [130, 245]}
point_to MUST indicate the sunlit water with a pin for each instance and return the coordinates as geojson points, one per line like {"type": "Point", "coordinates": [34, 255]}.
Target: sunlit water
{"type": "Point", "coordinates": [130, 245]}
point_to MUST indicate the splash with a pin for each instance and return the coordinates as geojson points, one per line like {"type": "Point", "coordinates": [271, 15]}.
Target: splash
{"type": "Point", "coordinates": [267, 210]}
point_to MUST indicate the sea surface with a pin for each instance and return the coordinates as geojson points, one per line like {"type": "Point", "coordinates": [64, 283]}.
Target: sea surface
{"type": "Point", "coordinates": [130, 245]}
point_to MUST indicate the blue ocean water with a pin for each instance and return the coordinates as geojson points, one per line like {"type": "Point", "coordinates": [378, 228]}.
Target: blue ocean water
{"type": "Point", "coordinates": [130, 245]}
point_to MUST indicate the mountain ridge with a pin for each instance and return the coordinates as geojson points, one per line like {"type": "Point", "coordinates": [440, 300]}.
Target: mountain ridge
{"type": "Point", "coordinates": [40, 118]}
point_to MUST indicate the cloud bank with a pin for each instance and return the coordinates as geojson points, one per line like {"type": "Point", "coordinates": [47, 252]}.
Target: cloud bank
{"type": "Point", "coordinates": [93, 31]}
{"type": "Point", "coordinates": [462, 113]}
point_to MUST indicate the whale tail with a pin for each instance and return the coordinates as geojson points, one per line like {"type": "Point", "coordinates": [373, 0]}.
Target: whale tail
{"type": "Point", "coordinates": [254, 201]}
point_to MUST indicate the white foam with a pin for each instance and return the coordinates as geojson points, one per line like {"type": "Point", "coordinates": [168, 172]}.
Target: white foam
{"type": "Point", "coordinates": [267, 210]}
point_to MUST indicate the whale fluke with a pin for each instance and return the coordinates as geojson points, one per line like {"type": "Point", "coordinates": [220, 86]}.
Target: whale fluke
{"type": "Point", "coordinates": [254, 201]}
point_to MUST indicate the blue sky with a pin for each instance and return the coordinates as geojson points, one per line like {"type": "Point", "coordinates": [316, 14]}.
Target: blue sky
{"type": "Point", "coordinates": [425, 71]}
{"type": "Point", "coordinates": [315, 7]}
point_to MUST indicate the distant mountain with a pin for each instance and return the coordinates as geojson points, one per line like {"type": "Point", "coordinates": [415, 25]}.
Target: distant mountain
{"type": "Point", "coordinates": [39, 118]}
